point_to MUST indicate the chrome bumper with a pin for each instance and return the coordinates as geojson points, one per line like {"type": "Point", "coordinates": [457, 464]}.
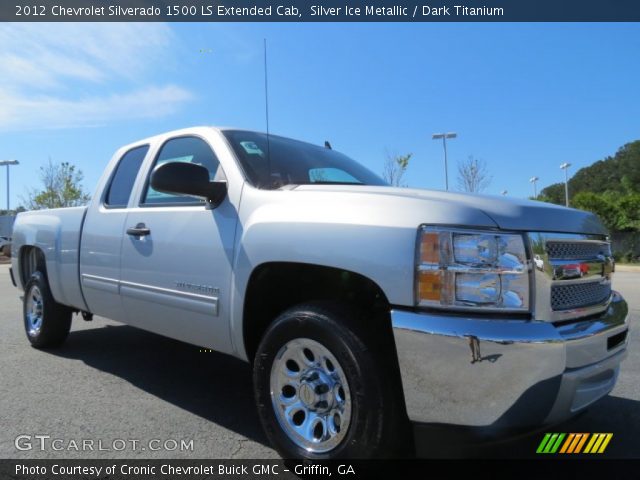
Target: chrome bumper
{"type": "Point", "coordinates": [506, 373]}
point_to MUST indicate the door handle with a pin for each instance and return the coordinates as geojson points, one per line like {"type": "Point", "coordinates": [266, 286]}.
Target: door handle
{"type": "Point", "coordinates": [139, 230]}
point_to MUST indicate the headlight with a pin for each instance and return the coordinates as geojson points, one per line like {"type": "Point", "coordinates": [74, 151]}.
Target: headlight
{"type": "Point", "coordinates": [472, 270]}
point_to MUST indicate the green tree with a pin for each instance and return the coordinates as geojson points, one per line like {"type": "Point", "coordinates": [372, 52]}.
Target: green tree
{"type": "Point", "coordinates": [615, 173]}
{"type": "Point", "coordinates": [617, 212]}
{"type": "Point", "coordinates": [600, 204]}
{"type": "Point", "coordinates": [62, 184]}
{"type": "Point", "coordinates": [628, 208]}
{"type": "Point", "coordinates": [620, 173]}
{"type": "Point", "coordinates": [627, 185]}
{"type": "Point", "coordinates": [553, 194]}
{"type": "Point", "coordinates": [395, 167]}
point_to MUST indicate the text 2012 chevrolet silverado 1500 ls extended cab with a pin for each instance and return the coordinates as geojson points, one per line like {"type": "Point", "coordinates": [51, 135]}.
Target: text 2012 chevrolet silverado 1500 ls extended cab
{"type": "Point", "coordinates": [362, 307]}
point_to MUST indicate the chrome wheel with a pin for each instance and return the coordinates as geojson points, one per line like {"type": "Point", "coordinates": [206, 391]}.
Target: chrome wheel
{"type": "Point", "coordinates": [34, 311]}
{"type": "Point", "coordinates": [310, 395]}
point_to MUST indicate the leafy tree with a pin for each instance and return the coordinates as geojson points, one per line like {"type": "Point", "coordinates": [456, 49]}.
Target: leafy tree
{"type": "Point", "coordinates": [608, 174]}
{"type": "Point", "coordinates": [473, 175]}
{"type": "Point", "coordinates": [610, 188]}
{"type": "Point", "coordinates": [628, 207]}
{"type": "Point", "coordinates": [554, 194]}
{"type": "Point", "coordinates": [62, 187]}
{"type": "Point", "coordinates": [395, 167]}
{"type": "Point", "coordinates": [602, 205]}
{"type": "Point", "coordinates": [620, 173]}
{"type": "Point", "coordinates": [617, 212]}
{"type": "Point", "coordinates": [627, 185]}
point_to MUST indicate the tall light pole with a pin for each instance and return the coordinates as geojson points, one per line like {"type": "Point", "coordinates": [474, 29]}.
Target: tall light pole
{"type": "Point", "coordinates": [565, 166]}
{"type": "Point", "coordinates": [8, 163]}
{"type": "Point", "coordinates": [535, 189]}
{"type": "Point", "coordinates": [444, 136]}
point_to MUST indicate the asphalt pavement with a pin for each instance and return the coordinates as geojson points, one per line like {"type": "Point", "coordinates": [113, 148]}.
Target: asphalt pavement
{"type": "Point", "coordinates": [113, 391]}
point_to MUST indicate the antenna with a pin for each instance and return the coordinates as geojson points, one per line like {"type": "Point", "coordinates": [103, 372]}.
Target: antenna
{"type": "Point", "coordinates": [266, 109]}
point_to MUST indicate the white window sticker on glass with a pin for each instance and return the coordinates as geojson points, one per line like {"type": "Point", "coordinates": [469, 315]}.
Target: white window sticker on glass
{"type": "Point", "coordinates": [252, 148]}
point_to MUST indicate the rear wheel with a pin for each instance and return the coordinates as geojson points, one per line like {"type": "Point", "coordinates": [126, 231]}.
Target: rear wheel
{"type": "Point", "coordinates": [324, 387]}
{"type": "Point", "coordinates": [46, 322]}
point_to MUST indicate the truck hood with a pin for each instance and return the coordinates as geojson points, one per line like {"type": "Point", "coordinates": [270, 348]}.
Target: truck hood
{"type": "Point", "coordinates": [507, 213]}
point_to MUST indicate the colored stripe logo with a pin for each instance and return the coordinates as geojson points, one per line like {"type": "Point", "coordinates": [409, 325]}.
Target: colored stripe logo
{"type": "Point", "coordinates": [574, 443]}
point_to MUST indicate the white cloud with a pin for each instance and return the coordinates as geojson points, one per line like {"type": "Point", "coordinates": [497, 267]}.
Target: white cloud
{"type": "Point", "coordinates": [77, 74]}
{"type": "Point", "coordinates": [43, 111]}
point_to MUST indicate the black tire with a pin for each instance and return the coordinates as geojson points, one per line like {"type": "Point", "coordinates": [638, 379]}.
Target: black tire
{"type": "Point", "coordinates": [54, 319]}
{"type": "Point", "coordinates": [378, 423]}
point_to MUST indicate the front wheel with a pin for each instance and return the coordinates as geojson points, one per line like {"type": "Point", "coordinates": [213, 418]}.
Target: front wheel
{"type": "Point", "coordinates": [323, 388]}
{"type": "Point", "coordinates": [46, 322]}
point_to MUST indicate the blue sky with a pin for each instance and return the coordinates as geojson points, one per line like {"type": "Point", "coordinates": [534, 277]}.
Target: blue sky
{"type": "Point", "coordinates": [522, 97]}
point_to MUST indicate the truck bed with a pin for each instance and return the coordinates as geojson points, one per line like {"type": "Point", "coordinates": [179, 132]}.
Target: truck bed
{"type": "Point", "coordinates": [57, 233]}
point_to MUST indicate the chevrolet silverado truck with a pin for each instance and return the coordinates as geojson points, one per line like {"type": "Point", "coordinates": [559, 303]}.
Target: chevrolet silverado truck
{"type": "Point", "coordinates": [364, 309]}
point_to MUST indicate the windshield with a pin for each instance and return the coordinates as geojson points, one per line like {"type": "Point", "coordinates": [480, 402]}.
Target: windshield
{"type": "Point", "coordinates": [290, 162]}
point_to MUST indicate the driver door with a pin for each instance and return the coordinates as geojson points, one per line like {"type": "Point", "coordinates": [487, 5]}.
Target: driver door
{"type": "Point", "coordinates": [177, 256]}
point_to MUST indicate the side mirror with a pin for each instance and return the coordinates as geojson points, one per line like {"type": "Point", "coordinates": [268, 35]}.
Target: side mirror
{"type": "Point", "coordinates": [188, 179]}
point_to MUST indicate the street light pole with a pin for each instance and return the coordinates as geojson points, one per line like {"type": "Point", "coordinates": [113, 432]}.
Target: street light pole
{"type": "Point", "coordinates": [565, 166]}
{"type": "Point", "coordinates": [444, 137]}
{"type": "Point", "coordinates": [535, 189]}
{"type": "Point", "coordinates": [8, 163]}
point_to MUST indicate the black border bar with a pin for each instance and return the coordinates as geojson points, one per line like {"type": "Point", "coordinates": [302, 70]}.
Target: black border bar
{"type": "Point", "coordinates": [140, 469]}
{"type": "Point", "coordinates": [320, 10]}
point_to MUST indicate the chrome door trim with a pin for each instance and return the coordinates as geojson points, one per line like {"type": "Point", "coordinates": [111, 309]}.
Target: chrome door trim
{"type": "Point", "coordinates": [205, 304]}
{"type": "Point", "coordinates": [97, 282]}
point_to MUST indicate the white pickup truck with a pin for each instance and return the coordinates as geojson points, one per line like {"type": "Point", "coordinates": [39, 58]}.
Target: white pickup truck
{"type": "Point", "coordinates": [362, 307]}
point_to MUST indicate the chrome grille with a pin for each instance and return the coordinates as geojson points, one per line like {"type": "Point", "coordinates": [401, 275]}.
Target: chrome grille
{"type": "Point", "coordinates": [567, 297]}
{"type": "Point", "coordinates": [572, 275]}
{"type": "Point", "coordinates": [573, 251]}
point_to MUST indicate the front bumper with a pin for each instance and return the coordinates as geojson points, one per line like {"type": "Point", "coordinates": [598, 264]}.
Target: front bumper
{"type": "Point", "coordinates": [505, 373]}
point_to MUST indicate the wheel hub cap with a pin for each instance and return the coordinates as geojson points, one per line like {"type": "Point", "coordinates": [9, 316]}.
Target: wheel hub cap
{"type": "Point", "coordinates": [315, 391]}
{"type": "Point", "coordinates": [310, 395]}
{"type": "Point", "coordinates": [34, 311]}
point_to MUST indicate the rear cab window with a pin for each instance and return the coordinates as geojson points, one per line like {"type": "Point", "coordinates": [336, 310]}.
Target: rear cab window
{"type": "Point", "coordinates": [124, 177]}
